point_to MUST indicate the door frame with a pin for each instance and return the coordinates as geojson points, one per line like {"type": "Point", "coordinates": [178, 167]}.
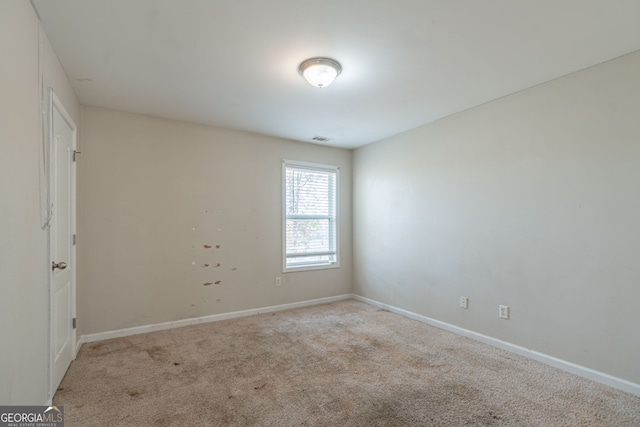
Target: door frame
{"type": "Point", "coordinates": [56, 105]}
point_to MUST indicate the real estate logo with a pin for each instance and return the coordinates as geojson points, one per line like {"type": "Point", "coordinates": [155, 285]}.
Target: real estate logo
{"type": "Point", "coordinates": [31, 416]}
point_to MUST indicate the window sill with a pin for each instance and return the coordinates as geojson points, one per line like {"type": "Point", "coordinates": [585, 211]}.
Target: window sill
{"type": "Point", "coordinates": [311, 267]}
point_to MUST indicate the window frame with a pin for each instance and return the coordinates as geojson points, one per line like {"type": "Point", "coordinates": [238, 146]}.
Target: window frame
{"type": "Point", "coordinates": [336, 219]}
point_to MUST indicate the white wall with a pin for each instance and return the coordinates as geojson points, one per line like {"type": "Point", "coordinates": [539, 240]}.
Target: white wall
{"type": "Point", "coordinates": [532, 201]}
{"type": "Point", "coordinates": [23, 244]}
{"type": "Point", "coordinates": [156, 191]}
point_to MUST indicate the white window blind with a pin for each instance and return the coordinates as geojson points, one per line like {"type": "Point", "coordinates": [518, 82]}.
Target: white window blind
{"type": "Point", "coordinates": [310, 221]}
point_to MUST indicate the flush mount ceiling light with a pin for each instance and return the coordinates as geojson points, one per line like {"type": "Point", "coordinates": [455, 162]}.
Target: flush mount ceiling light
{"type": "Point", "coordinates": [320, 72]}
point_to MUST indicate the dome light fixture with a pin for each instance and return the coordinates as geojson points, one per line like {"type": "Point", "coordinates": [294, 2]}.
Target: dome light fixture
{"type": "Point", "coordinates": [320, 72]}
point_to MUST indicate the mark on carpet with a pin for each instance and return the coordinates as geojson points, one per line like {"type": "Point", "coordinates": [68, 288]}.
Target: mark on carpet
{"type": "Point", "coordinates": [155, 352]}
{"type": "Point", "coordinates": [102, 349]}
{"type": "Point", "coordinates": [161, 422]}
{"type": "Point", "coordinates": [260, 387]}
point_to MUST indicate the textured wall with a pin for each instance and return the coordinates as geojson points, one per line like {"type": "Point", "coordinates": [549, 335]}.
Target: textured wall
{"type": "Point", "coordinates": [531, 201]}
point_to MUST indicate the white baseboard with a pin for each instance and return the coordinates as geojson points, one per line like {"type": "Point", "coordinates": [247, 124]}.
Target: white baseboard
{"type": "Point", "coordinates": [79, 343]}
{"type": "Point", "coordinates": [582, 371]}
{"type": "Point", "coordinates": [205, 319]}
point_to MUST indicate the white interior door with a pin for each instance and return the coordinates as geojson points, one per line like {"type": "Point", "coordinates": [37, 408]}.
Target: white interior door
{"type": "Point", "coordinates": [62, 240]}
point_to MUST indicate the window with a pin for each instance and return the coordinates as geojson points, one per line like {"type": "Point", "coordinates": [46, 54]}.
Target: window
{"type": "Point", "coordinates": [310, 223]}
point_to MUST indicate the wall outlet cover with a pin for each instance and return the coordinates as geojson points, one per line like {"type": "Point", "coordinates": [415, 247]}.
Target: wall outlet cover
{"type": "Point", "coordinates": [503, 312]}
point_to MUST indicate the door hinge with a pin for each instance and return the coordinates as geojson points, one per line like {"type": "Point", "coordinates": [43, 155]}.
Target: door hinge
{"type": "Point", "coordinates": [74, 154]}
{"type": "Point", "coordinates": [74, 240]}
{"type": "Point", "coordinates": [73, 323]}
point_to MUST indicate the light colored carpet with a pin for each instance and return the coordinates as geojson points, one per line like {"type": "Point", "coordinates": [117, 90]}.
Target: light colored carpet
{"type": "Point", "coordinates": [339, 364]}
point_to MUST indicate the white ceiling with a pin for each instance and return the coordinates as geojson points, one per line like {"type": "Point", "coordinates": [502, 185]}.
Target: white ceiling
{"type": "Point", "coordinates": [233, 63]}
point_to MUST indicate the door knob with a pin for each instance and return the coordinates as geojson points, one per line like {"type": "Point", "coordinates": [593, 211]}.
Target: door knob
{"type": "Point", "coordinates": [60, 265]}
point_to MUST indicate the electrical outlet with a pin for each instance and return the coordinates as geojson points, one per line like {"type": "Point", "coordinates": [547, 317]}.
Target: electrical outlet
{"type": "Point", "coordinates": [503, 312]}
{"type": "Point", "coordinates": [278, 281]}
{"type": "Point", "coordinates": [464, 302]}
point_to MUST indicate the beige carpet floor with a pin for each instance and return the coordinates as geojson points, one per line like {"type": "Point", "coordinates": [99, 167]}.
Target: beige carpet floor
{"type": "Point", "coordinates": [338, 364]}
